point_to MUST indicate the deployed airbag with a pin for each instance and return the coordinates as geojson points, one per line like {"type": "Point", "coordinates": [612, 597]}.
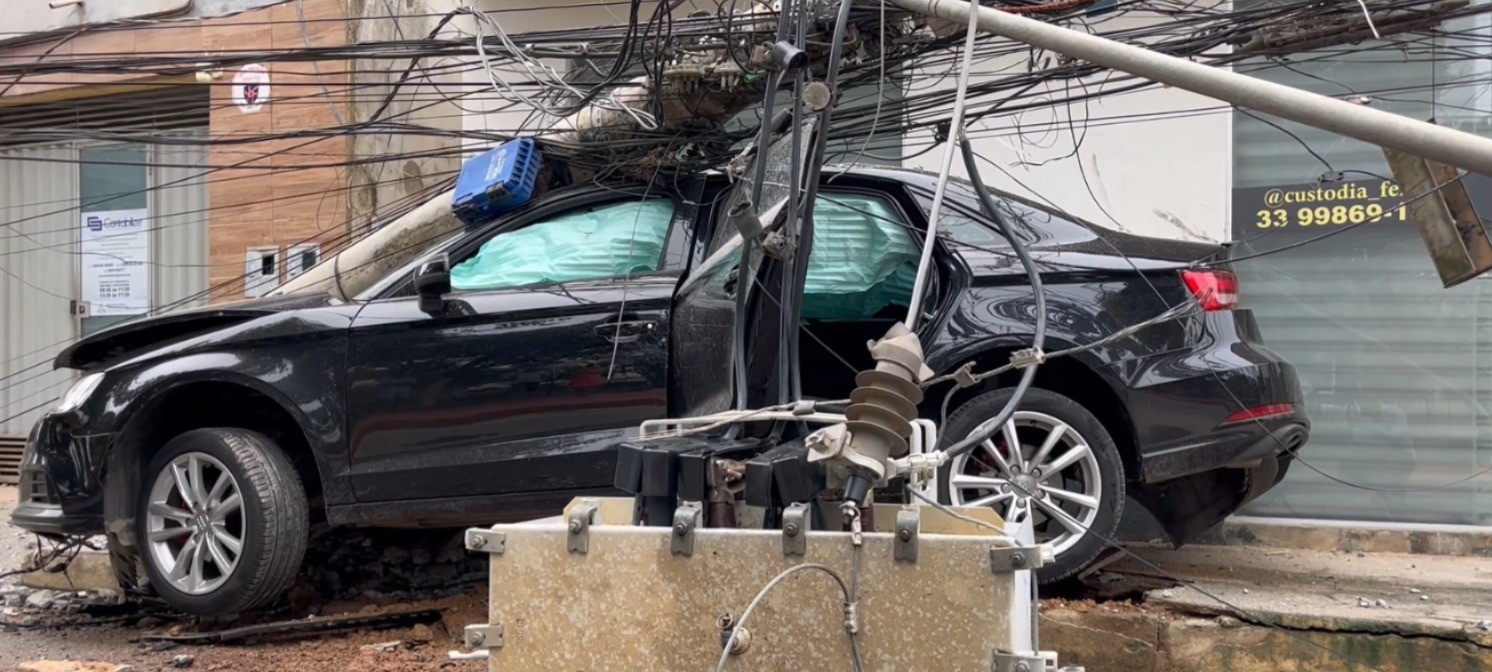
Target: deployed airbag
{"type": "Point", "coordinates": [608, 241]}
{"type": "Point", "coordinates": [863, 259]}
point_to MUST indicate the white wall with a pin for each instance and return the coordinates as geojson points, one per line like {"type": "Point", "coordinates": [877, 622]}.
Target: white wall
{"type": "Point", "coordinates": [1162, 176]}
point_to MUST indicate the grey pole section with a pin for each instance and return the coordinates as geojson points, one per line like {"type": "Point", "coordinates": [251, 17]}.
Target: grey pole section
{"type": "Point", "coordinates": [1438, 143]}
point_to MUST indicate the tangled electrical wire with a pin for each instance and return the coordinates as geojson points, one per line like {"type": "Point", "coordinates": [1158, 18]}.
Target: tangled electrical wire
{"type": "Point", "coordinates": [52, 556]}
{"type": "Point", "coordinates": [463, 62]}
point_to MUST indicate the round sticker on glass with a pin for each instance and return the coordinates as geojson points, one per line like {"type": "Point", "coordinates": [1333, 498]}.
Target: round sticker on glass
{"type": "Point", "coordinates": [251, 88]}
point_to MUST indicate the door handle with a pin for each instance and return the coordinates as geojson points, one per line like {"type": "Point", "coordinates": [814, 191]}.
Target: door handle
{"type": "Point", "coordinates": [625, 331]}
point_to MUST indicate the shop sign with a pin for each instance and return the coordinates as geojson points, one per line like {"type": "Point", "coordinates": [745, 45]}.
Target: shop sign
{"type": "Point", "coordinates": [115, 250]}
{"type": "Point", "coordinates": [1313, 208]}
{"type": "Point", "coordinates": [251, 88]}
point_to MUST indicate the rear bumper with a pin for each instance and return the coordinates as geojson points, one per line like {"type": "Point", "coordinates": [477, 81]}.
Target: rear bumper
{"type": "Point", "coordinates": [1239, 448]}
{"type": "Point", "coordinates": [1179, 401]}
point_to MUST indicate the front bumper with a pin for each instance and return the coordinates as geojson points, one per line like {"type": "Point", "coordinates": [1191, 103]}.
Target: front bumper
{"type": "Point", "coordinates": [50, 520]}
{"type": "Point", "coordinates": [61, 489]}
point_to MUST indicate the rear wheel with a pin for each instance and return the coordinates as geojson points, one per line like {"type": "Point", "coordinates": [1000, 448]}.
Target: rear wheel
{"type": "Point", "coordinates": [222, 522]}
{"type": "Point", "coordinates": [1052, 463]}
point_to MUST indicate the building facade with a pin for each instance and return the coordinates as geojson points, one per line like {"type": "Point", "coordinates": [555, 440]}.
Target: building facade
{"type": "Point", "coordinates": [1398, 382]}
{"type": "Point", "coordinates": [123, 194]}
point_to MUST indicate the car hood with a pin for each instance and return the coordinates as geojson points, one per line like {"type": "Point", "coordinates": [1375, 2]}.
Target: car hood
{"type": "Point", "coordinates": [150, 331]}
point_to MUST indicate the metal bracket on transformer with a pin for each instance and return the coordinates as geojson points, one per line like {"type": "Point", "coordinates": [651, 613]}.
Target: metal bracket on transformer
{"type": "Point", "coordinates": [908, 524]}
{"type": "Point", "coordinates": [1014, 558]}
{"type": "Point", "coordinates": [1022, 662]}
{"type": "Point", "coordinates": [578, 539]}
{"type": "Point", "coordinates": [795, 529]}
{"type": "Point", "coordinates": [686, 519]}
{"type": "Point", "coordinates": [486, 541]}
{"type": "Point", "coordinates": [484, 636]}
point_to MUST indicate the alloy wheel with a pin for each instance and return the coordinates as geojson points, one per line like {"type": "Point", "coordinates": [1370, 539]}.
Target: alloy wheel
{"type": "Point", "coordinates": [195, 523]}
{"type": "Point", "coordinates": [1035, 467]}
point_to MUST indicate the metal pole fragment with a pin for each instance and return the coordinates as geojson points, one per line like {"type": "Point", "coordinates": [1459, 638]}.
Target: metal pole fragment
{"type": "Point", "coordinates": [1457, 148]}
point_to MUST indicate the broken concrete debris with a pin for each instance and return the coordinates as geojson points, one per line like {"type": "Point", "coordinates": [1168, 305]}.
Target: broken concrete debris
{"type": "Point", "coordinates": [41, 599]}
{"type": "Point", "coordinates": [71, 666]}
{"type": "Point", "coordinates": [383, 647]}
{"type": "Point", "coordinates": [421, 633]}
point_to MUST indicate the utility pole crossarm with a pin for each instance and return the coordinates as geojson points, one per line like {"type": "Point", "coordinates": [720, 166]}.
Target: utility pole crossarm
{"type": "Point", "coordinates": [1385, 129]}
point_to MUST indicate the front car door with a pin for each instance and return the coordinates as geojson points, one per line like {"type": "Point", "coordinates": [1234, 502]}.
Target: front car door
{"type": "Point", "coordinates": [535, 371]}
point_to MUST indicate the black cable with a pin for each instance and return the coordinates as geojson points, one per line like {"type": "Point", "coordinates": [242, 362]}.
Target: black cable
{"type": "Point", "coordinates": [986, 429]}
{"type": "Point", "coordinates": [798, 263]}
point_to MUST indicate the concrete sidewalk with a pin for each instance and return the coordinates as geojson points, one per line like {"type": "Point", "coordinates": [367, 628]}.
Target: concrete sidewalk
{"type": "Point", "coordinates": [1279, 609]}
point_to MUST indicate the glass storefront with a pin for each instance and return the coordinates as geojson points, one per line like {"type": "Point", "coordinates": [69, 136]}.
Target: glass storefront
{"type": "Point", "coordinates": [1397, 371]}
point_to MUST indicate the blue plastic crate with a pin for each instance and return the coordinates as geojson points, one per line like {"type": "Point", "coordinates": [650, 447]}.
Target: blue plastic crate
{"type": "Point", "coordinates": [496, 181]}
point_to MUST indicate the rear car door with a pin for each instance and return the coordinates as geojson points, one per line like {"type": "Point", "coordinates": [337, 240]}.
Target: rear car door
{"type": "Point", "coordinates": [552, 349]}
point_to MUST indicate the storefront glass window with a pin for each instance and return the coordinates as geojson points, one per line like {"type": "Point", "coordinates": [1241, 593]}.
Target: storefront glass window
{"type": "Point", "coordinates": [1397, 371]}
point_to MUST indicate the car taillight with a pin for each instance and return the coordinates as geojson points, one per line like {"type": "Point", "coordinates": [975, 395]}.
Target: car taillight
{"type": "Point", "coordinates": [1216, 290]}
{"type": "Point", "coordinates": [1259, 413]}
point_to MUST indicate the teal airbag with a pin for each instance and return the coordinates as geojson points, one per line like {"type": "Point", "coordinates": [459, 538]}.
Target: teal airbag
{"type": "Point", "coordinates": [863, 259]}
{"type": "Point", "coordinates": [610, 241]}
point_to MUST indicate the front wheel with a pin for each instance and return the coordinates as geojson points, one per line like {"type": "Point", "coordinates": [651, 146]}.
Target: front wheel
{"type": "Point", "coordinates": [1053, 463]}
{"type": "Point", "coordinates": [222, 522]}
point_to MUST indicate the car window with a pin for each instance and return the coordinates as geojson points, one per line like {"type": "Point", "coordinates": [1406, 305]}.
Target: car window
{"type": "Point", "coordinates": [959, 227]}
{"type": "Point", "coordinates": [603, 241]}
{"type": "Point", "coordinates": [864, 258]}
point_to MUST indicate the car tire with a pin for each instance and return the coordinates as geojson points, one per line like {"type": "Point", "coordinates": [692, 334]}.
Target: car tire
{"type": "Point", "coordinates": [1097, 476]}
{"type": "Point", "coordinates": [237, 558]}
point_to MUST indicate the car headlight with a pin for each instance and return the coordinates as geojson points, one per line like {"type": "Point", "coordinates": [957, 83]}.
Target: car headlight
{"type": "Point", "coordinates": [79, 392]}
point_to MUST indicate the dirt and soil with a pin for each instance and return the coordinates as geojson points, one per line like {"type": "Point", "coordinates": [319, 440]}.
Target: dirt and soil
{"type": "Point", "coordinates": [1284, 595]}
{"type": "Point", "coordinates": [346, 575]}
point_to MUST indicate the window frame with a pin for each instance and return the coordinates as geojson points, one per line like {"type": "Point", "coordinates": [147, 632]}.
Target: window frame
{"type": "Point", "coordinates": [671, 260]}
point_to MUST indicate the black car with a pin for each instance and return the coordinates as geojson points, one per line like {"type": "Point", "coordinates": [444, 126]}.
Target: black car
{"type": "Point", "coordinates": [204, 442]}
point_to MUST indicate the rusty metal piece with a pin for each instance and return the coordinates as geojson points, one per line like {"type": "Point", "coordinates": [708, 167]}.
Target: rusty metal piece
{"type": "Point", "coordinates": [1442, 210]}
{"type": "Point", "coordinates": [299, 628]}
{"type": "Point", "coordinates": [727, 478]}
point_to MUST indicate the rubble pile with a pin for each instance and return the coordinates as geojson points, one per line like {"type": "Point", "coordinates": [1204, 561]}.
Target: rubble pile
{"type": "Point", "coordinates": [386, 565]}
{"type": "Point", "coordinates": [26, 607]}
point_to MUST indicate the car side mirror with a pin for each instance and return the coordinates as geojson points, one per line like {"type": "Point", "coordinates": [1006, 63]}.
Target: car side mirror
{"type": "Point", "coordinates": [432, 282]}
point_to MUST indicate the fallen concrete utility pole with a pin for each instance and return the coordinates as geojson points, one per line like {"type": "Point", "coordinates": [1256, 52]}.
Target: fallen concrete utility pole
{"type": "Point", "coordinates": [364, 262]}
{"type": "Point", "coordinates": [1457, 148]}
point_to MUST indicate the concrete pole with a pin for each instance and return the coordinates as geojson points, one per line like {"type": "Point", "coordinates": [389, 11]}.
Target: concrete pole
{"type": "Point", "coordinates": [368, 260]}
{"type": "Point", "coordinates": [1456, 148]}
